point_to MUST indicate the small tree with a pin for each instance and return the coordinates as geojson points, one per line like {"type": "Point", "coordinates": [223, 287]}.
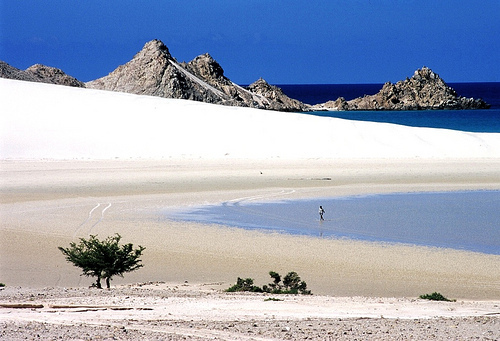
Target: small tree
{"type": "Point", "coordinates": [292, 284]}
{"type": "Point", "coordinates": [276, 286]}
{"type": "Point", "coordinates": [103, 259]}
{"type": "Point", "coordinates": [244, 285]}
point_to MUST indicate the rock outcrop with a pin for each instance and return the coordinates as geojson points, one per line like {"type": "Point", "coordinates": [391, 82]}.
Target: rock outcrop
{"type": "Point", "coordinates": [39, 73]}
{"type": "Point", "coordinates": [10, 72]}
{"type": "Point", "coordinates": [153, 71]}
{"type": "Point", "coordinates": [340, 104]}
{"type": "Point", "coordinates": [277, 99]}
{"type": "Point", "coordinates": [425, 90]}
{"type": "Point", "coordinates": [47, 74]}
{"type": "Point", "coordinates": [205, 68]}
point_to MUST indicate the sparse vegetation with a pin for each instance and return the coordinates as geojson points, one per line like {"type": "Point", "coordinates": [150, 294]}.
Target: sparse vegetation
{"type": "Point", "coordinates": [103, 259]}
{"type": "Point", "coordinates": [274, 299]}
{"type": "Point", "coordinates": [435, 296]}
{"type": "Point", "coordinates": [292, 284]}
{"type": "Point", "coordinates": [244, 285]}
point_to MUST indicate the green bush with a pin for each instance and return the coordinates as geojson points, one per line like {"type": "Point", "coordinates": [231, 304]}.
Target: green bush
{"type": "Point", "coordinates": [292, 284]}
{"type": "Point", "coordinates": [435, 296]}
{"type": "Point", "coordinates": [244, 285]}
{"type": "Point", "coordinates": [2, 285]}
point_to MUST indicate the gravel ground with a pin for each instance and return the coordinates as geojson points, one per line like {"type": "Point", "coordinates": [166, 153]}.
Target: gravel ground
{"type": "Point", "coordinates": [161, 312]}
{"type": "Point", "coordinates": [477, 328]}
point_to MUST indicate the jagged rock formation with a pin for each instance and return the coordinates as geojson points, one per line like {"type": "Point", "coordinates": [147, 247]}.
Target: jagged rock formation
{"type": "Point", "coordinates": [47, 74]}
{"type": "Point", "coordinates": [10, 72]}
{"type": "Point", "coordinates": [423, 91]}
{"type": "Point", "coordinates": [153, 71]}
{"type": "Point", "coordinates": [205, 68]}
{"type": "Point", "coordinates": [340, 104]}
{"type": "Point", "coordinates": [277, 99]}
{"type": "Point", "coordinates": [39, 73]}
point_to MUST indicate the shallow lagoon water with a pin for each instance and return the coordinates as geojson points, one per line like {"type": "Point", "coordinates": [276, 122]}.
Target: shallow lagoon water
{"type": "Point", "coordinates": [459, 220]}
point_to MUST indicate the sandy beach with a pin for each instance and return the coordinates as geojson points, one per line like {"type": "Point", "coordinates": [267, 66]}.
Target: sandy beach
{"type": "Point", "coordinates": [46, 204]}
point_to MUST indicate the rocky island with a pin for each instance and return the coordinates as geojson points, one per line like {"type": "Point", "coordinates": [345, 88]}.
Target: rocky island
{"type": "Point", "coordinates": [425, 90]}
{"type": "Point", "coordinates": [154, 72]}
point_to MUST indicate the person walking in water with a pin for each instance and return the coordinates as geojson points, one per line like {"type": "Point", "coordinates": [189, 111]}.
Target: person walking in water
{"type": "Point", "coordinates": [321, 212]}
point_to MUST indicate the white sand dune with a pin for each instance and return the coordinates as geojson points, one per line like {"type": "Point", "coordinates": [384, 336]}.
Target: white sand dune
{"type": "Point", "coordinates": [58, 122]}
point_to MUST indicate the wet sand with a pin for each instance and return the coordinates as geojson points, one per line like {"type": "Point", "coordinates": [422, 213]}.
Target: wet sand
{"type": "Point", "coordinates": [46, 204]}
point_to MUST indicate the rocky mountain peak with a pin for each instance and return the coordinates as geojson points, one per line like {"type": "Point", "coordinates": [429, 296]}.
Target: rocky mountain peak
{"type": "Point", "coordinates": [153, 71]}
{"type": "Point", "coordinates": [425, 73]}
{"type": "Point", "coordinates": [426, 78]}
{"type": "Point", "coordinates": [146, 74]}
{"type": "Point", "coordinates": [262, 87]}
{"type": "Point", "coordinates": [207, 68]}
{"type": "Point", "coordinates": [154, 48]}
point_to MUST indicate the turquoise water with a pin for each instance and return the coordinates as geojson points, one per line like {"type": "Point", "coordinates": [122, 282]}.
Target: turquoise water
{"type": "Point", "coordinates": [459, 220]}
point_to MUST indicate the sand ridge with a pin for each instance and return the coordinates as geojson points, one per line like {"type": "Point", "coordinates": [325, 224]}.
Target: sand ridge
{"type": "Point", "coordinates": [108, 125]}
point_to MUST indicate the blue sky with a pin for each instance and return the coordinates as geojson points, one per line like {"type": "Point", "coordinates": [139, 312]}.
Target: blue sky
{"type": "Point", "coordinates": [284, 42]}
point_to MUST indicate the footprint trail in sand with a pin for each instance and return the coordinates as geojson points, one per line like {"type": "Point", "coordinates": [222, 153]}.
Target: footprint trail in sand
{"type": "Point", "coordinates": [89, 218]}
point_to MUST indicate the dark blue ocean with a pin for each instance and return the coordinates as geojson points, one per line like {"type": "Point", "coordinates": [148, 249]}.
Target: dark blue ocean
{"type": "Point", "coordinates": [487, 121]}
